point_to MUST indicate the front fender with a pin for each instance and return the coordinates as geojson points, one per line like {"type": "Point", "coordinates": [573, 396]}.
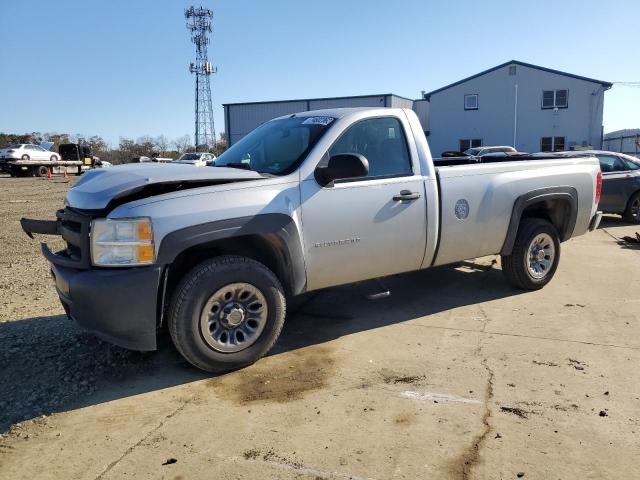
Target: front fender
{"type": "Point", "coordinates": [267, 225]}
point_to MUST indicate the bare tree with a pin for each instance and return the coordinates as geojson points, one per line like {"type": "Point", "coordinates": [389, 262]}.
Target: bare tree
{"type": "Point", "coordinates": [182, 143]}
{"type": "Point", "coordinates": [162, 144]}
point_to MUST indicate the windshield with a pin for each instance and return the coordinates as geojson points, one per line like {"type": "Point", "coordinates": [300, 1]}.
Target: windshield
{"type": "Point", "coordinates": [189, 156]}
{"type": "Point", "coordinates": [472, 151]}
{"type": "Point", "coordinates": [277, 147]}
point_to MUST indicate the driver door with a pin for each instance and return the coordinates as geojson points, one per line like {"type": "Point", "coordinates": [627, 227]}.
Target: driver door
{"type": "Point", "coordinates": [363, 228]}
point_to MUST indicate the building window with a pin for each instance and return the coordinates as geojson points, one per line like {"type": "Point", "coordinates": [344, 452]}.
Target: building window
{"type": "Point", "coordinates": [471, 102]}
{"type": "Point", "coordinates": [552, 144]}
{"type": "Point", "coordinates": [555, 98]}
{"type": "Point", "coordinates": [471, 143]}
{"type": "Point", "coordinates": [512, 70]}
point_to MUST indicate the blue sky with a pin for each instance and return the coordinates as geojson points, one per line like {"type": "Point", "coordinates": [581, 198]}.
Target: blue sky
{"type": "Point", "coordinates": [119, 68]}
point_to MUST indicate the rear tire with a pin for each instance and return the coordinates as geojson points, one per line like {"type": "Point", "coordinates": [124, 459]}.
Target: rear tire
{"type": "Point", "coordinates": [226, 313]}
{"type": "Point", "coordinates": [53, 158]}
{"type": "Point", "coordinates": [42, 171]}
{"type": "Point", "coordinates": [632, 212]}
{"type": "Point", "coordinates": [535, 256]}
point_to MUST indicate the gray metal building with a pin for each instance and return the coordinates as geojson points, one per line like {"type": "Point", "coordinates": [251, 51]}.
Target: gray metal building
{"type": "Point", "coordinates": [623, 141]}
{"type": "Point", "coordinates": [529, 107]}
{"type": "Point", "coordinates": [241, 118]}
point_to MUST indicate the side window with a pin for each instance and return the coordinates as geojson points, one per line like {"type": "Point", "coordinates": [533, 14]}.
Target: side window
{"type": "Point", "coordinates": [382, 142]}
{"type": "Point", "coordinates": [609, 163]}
{"type": "Point", "coordinates": [632, 165]}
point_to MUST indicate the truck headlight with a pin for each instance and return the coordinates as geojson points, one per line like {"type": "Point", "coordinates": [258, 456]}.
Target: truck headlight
{"type": "Point", "coordinates": [126, 242]}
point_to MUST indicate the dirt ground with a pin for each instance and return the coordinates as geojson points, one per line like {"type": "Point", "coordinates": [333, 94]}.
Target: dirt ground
{"type": "Point", "coordinates": [456, 375]}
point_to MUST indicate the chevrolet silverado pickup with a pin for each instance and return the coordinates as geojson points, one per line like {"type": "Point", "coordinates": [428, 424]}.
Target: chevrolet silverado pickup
{"type": "Point", "coordinates": [304, 202]}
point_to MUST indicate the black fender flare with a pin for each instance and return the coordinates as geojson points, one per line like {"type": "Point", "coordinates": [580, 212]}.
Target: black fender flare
{"type": "Point", "coordinates": [278, 227]}
{"type": "Point", "coordinates": [565, 193]}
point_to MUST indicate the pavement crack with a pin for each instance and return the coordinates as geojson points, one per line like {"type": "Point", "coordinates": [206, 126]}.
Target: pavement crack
{"type": "Point", "coordinates": [141, 441]}
{"type": "Point", "coordinates": [471, 457]}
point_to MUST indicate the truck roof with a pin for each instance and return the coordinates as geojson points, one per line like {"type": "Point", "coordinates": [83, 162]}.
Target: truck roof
{"type": "Point", "coordinates": [334, 112]}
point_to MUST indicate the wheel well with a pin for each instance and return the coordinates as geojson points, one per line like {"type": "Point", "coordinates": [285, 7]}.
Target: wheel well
{"type": "Point", "coordinates": [629, 200]}
{"type": "Point", "coordinates": [266, 249]}
{"type": "Point", "coordinates": [557, 211]}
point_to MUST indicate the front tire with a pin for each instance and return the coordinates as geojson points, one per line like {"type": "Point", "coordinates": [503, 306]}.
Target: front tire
{"type": "Point", "coordinates": [226, 313]}
{"type": "Point", "coordinates": [632, 212]}
{"type": "Point", "coordinates": [535, 256]}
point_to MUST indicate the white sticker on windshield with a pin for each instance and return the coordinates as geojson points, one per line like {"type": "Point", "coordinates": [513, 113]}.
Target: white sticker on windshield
{"type": "Point", "coordinates": [318, 121]}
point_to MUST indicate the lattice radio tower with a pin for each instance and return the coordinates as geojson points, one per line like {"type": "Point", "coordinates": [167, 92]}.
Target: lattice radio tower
{"type": "Point", "coordinates": [199, 25]}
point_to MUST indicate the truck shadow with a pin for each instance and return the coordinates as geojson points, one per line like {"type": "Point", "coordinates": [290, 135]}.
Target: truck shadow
{"type": "Point", "coordinates": [49, 366]}
{"type": "Point", "coordinates": [628, 239]}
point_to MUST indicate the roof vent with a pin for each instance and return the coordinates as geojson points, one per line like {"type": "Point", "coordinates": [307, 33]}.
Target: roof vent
{"type": "Point", "coordinates": [512, 69]}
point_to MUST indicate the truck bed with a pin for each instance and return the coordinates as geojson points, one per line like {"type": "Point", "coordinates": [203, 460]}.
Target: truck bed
{"type": "Point", "coordinates": [489, 190]}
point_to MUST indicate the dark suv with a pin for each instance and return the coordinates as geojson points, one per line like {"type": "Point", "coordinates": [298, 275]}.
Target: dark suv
{"type": "Point", "coordinates": [620, 184]}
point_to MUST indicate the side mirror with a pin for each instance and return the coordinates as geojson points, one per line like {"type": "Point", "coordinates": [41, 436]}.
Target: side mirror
{"type": "Point", "coordinates": [344, 165]}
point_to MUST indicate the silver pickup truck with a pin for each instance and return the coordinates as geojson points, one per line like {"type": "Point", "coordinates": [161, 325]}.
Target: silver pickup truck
{"type": "Point", "coordinates": [304, 202]}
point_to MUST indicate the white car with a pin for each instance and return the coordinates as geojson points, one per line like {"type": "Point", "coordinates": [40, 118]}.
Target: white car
{"type": "Point", "coordinates": [28, 151]}
{"type": "Point", "coordinates": [481, 151]}
{"type": "Point", "coordinates": [199, 159]}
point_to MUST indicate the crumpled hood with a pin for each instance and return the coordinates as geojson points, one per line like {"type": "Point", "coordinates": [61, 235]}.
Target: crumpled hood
{"type": "Point", "coordinates": [97, 188]}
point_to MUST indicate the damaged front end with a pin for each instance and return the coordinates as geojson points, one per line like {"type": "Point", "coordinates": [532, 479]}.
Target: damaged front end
{"type": "Point", "coordinates": [94, 297]}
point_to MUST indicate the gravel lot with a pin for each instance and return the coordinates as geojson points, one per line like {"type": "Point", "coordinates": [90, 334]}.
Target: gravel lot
{"type": "Point", "coordinates": [456, 375]}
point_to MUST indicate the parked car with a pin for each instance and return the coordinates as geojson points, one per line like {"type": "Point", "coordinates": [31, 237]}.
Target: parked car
{"type": "Point", "coordinates": [27, 151]}
{"type": "Point", "coordinates": [142, 159]}
{"type": "Point", "coordinates": [199, 159]}
{"type": "Point", "coordinates": [481, 151]}
{"type": "Point", "coordinates": [304, 202]}
{"type": "Point", "coordinates": [620, 184]}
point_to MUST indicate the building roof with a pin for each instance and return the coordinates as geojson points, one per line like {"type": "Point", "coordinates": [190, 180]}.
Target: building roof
{"type": "Point", "coordinates": [517, 62]}
{"type": "Point", "coordinates": [319, 99]}
{"type": "Point", "coordinates": [623, 132]}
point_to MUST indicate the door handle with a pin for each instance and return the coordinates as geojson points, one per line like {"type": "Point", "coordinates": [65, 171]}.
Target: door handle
{"type": "Point", "coordinates": [406, 195]}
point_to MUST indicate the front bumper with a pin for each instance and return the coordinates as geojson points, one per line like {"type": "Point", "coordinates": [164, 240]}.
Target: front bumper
{"type": "Point", "coordinates": [595, 221]}
{"type": "Point", "coordinates": [119, 305]}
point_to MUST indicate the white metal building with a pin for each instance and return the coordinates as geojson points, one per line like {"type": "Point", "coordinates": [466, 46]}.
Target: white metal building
{"type": "Point", "coordinates": [241, 118]}
{"type": "Point", "coordinates": [526, 106]}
